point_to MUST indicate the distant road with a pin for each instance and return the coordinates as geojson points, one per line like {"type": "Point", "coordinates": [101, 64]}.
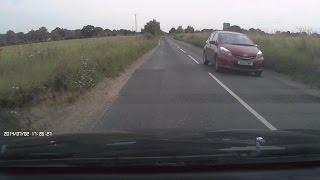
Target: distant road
{"type": "Point", "coordinates": [174, 90]}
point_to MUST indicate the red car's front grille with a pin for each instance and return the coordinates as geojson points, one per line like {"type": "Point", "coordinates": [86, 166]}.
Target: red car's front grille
{"type": "Point", "coordinates": [246, 57]}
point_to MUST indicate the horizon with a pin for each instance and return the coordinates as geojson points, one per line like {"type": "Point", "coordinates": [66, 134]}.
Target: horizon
{"type": "Point", "coordinates": [297, 30]}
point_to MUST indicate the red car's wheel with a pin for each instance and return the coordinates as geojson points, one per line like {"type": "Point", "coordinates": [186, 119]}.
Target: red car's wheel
{"type": "Point", "coordinates": [205, 61]}
{"type": "Point", "coordinates": [217, 66]}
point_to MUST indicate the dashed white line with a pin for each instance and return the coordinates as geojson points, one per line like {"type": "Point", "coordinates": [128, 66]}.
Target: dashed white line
{"type": "Point", "coordinates": [193, 59]}
{"type": "Point", "coordinates": [250, 109]}
{"type": "Point", "coordinates": [159, 41]}
{"type": "Point", "coordinates": [183, 50]}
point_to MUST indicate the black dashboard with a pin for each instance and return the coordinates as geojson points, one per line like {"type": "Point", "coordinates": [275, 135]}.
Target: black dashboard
{"type": "Point", "coordinates": [288, 171]}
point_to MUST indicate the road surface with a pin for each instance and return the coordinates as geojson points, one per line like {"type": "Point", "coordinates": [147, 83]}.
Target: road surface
{"type": "Point", "coordinates": [174, 90]}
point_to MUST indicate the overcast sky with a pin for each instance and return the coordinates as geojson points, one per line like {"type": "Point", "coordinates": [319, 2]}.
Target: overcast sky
{"type": "Point", "coordinates": [268, 15]}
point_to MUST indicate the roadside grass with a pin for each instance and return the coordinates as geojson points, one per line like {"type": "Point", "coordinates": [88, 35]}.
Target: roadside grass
{"type": "Point", "coordinates": [34, 72]}
{"type": "Point", "coordinates": [298, 57]}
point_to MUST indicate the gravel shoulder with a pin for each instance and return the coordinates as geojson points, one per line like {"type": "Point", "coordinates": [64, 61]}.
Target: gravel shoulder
{"type": "Point", "coordinates": [80, 115]}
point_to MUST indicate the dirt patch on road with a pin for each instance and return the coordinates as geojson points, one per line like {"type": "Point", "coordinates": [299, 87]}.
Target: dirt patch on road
{"type": "Point", "coordinates": [80, 115]}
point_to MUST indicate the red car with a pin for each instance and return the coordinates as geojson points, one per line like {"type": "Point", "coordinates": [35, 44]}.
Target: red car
{"type": "Point", "coordinates": [231, 50]}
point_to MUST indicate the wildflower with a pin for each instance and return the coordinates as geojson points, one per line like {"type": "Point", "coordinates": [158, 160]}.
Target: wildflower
{"type": "Point", "coordinates": [13, 87]}
{"type": "Point", "coordinates": [17, 87]}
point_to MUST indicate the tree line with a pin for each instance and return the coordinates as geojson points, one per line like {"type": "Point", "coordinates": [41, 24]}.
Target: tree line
{"type": "Point", "coordinates": [43, 35]}
{"type": "Point", "coordinates": [236, 28]}
{"type": "Point", "coordinates": [151, 28]}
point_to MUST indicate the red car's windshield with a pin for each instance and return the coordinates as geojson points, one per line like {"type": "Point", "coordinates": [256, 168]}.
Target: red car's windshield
{"type": "Point", "coordinates": [236, 39]}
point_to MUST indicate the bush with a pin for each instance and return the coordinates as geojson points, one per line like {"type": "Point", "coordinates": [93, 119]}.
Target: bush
{"type": "Point", "coordinates": [148, 36]}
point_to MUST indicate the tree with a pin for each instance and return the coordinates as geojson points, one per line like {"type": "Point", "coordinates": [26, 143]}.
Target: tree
{"type": "Point", "coordinates": [108, 32]}
{"type": "Point", "coordinates": [256, 31]}
{"type": "Point", "coordinates": [31, 35]}
{"type": "Point", "coordinates": [55, 34]}
{"type": "Point", "coordinates": [124, 32]}
{"type": "Point", "coordinates": [189, 29]}
{"type": "Point", "coordinates": [77, 34]}
{"type": "Point", "coordinates": [152, 27]}
{"type": "Point", "coordinates": [173, 30]}
{"type": "Point", "coordinates": [179, 30]}
{"type": "Point", "coordinates": [11, 38]}
{"type": "Point", "coordinates": [63, 33]}
{"type": "Point", "coordinates": [98, 31]}
{"type": "Point", "coordinates": [2, 40]}
{"type": "Point", "coordinates": [235, 28]}
{"type": "Point", "coordinates": [207, 30]}
{"type": "Point", "coordinates": [43, 34]}
{"type": "Point", "coordinates": [114, 32]}
{"type": "Point", "coordinates": [21, 38]}
{"type": "Point", "coordinates": [87, 31]}
{"type": "Point", "coordinates": [73, 34]}
{"type": "Point", "coordinates": [39, 35]}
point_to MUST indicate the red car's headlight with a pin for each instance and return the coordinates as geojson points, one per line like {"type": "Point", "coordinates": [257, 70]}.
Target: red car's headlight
{"type": "Point", "coordinates": [259, 55]}
{"type": "Point", "coordinates": [225, 51]}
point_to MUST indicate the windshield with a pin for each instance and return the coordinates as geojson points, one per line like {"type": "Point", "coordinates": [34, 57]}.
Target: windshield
{"type": "Point", "coordinates": [235, 39]}
{"type": "Point", "coordinates": [132, 80]}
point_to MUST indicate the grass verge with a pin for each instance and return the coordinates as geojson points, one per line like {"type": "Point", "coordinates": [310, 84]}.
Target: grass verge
{"type": "Point", "coordinates": [40, 71]}
{"type": "Point", "coordinates": [298, 57]}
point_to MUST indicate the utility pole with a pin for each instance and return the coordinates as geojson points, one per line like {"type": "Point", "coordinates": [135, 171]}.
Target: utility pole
{"type": "Point", "coordinates": [135, 18]}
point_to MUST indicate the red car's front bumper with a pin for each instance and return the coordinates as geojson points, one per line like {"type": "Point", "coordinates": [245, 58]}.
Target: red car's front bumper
{"type": "Point", "coordinates": [231, 62]}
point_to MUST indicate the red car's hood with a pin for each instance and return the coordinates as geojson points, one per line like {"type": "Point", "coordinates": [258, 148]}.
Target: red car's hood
{"type": "Point", "coordinates": [241, 50]}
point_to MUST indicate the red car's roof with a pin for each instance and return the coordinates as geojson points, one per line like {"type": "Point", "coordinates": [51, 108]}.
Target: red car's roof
{"type": "Point", "coordinates": [228, 32]}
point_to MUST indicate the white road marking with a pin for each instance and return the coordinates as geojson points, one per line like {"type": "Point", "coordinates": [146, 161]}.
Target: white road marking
{"type": "Point", "coordinates": [193, 59]}
{"type": "Point", "coordinates": [183, 50]}
{"type": "Point", "coordinates": [250, 109]}
{"type": "Point", "coordinates": [159, 41]}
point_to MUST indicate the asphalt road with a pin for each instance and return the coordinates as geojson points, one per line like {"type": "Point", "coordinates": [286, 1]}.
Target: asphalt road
{"type": "Point", "coordinates": [174, 90]}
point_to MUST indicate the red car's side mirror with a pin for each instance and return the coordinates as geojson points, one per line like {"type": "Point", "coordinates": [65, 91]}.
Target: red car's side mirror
{"type": "Point", "coordinates": [213, 42]}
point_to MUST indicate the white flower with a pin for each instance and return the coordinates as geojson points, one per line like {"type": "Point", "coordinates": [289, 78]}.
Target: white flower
{"type": "Point", "coordinates": [13, 87]}
{"type": "Point", "coordinates": [17, 87]}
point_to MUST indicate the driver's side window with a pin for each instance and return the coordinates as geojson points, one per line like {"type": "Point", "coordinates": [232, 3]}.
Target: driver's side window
{"type": "Point", "coordinates": [215, 37]}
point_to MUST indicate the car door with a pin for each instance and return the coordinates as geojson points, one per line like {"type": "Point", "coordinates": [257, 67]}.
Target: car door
{"type": "Point", "coordinates": [208, 47]}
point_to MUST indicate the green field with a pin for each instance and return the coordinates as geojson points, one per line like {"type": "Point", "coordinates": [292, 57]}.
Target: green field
{"type": "Point", "coordinates": [298, 57]}
{"type": "Point", "coordinates": [36, 71]}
